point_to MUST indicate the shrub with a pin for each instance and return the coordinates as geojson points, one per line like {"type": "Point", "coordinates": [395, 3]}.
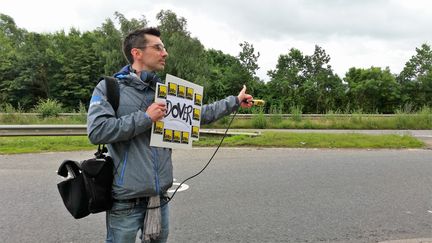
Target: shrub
{"type": "Point", "coordinates": [12, 115]}
{"type": "Point", "coordinates": [296, 112]}
{"type": "Point", "coordinates": [48, 108]}
{"type": "Point", "coordinates": [425, 115]}
{"type": "Point", "coordinates": [258, 119]}
{"type": "Point", "coordinates": [276, 117]}
{"type": "Point", "coordinates": [225, 120]}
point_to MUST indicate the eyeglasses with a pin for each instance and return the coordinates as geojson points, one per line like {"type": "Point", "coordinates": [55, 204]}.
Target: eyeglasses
{"type": "Point", "coordinates": [157, 47]}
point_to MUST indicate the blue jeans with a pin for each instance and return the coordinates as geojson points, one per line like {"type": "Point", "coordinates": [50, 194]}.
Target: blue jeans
{"type": "Point", "coordinates": [125, 219]}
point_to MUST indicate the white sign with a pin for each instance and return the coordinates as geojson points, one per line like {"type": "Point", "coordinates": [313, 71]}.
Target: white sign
{"type": "Point", "coordinates": [181, 123]}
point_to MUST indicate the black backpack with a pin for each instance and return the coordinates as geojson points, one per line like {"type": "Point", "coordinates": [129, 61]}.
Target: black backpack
{"type": "Point", "coordinates": [87, 188]}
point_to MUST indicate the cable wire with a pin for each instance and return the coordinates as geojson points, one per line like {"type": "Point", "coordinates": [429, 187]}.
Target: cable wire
{"type": "Point", "coordinates": [195, 175]}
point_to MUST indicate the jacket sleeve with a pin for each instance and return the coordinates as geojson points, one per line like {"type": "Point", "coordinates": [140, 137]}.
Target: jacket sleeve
{"type": "Point", "coordinates": [103, 127]}
{"type": "Point", "coordinates": [218, 109]}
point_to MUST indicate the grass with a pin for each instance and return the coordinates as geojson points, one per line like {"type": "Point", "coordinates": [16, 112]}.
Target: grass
{"type": "Point", "coordinates": [357, 121]}
{"type": "Point", "coordinates": [316, 140]}
{"type": "Point", "coordinates": [16, 145]}
{"type": "Point", "coordinates": [23, 119]}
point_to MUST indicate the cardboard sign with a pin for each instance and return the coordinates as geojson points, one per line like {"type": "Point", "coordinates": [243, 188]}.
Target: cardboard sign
{"type": "Point", "coordinates": [181, 123]}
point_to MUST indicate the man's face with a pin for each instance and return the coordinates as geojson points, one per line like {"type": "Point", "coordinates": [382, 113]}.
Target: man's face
{"type": "Point", "coordinates": [151, 57]}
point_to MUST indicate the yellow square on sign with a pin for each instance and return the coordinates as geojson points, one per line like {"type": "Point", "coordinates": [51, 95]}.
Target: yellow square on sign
{"type": "Point", "coordinates": [196, 114]}
{"type": "Point", "coordinates": [181, 92]}
{"type": "Point", "coordinates": [168, 135]}
{"type": "Point", "coordinates": [177, 137]}
{"type": "Point", "coordinates": [189, 93]}
{"type": "Point", "coordinates": [195, 131]}
{"type": "Point", "coordinates": [185, 137]}
{"type": "Point", "coordinates": [198, 99]}
{"type": "Point", "coordinates": [158, 128]}
{"type": "Point", "coordinates": [172, 89]}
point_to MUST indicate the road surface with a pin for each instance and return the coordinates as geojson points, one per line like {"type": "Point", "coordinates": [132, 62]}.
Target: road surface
{"type": "Point", "coordinates": [245, 195]}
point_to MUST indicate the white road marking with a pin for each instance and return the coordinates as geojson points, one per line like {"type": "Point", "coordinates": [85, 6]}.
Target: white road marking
{"type": "Point", "coordinates": [183, 187]}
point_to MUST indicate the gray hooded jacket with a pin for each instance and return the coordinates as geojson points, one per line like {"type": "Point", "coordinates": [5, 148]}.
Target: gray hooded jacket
{"type": "Point", "coordinates": [140, 170]}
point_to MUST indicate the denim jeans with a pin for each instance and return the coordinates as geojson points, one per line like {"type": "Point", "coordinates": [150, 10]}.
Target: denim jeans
{"type": "Point", "coordinates": [125, 219]}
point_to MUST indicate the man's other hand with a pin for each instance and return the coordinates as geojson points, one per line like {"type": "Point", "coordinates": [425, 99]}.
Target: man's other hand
{"type": "Point", "coordinates": [245, 99]}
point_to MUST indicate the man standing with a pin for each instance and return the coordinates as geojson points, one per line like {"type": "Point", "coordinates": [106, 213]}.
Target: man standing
{"type": "Point", "coordinates": [142, 173]}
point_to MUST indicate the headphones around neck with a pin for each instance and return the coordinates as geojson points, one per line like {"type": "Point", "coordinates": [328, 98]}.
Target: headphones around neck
{"type": "Point", "coordinates": [148, 77]}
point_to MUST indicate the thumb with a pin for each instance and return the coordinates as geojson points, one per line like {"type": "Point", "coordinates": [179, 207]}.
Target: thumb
{"type": "Point", "coordinates": [243, 91]}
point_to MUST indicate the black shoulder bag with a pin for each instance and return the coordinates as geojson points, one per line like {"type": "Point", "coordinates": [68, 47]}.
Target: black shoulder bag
{"type": "Point", "coordinates": [87, 188]}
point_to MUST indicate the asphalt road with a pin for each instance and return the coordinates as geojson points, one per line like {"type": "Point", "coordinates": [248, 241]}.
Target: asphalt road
{"type": "Point", "coordinates": [245, 195]}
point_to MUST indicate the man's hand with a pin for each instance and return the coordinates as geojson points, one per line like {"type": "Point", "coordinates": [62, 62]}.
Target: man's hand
{"type": "Point", "coordinates": [156, 111]}
{"type": "Point", "coordinates": [245, 99]}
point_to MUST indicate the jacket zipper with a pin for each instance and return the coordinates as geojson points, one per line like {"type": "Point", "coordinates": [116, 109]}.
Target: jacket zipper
{"type": "Point", "coordinates": [120, 180]}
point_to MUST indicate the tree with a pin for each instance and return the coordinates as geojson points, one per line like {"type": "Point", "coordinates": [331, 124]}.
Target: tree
{"type": "Point", "coordinates": [415, 78]}
{"type": "Point", "coordinates": [286, 80]}
{"type": "Point", "coordinates": [249, 63]}
{"type": "Point", "coordinates": [32, 72]}
{"type": "Point", "coordinates": [248, 58]}
{"type": "Point", "coordinates": [187, 58]}
{"type": "Point", "coordinates": [170, 23]}
{"type": "Point", "coordinates": [127, 26]}
{"type": "Point", "coordinates": [373, 90]}
{"type": "Point", "coordinates": [323, 89]}
{"type": "Point", "coordinates": [80, 69]}
{"type": "Point", "coordinates": [305, 81]}
{"type": "Point", "coordinates": [11, 39]}
{"type": "Point", "coordinates": [108, 47]}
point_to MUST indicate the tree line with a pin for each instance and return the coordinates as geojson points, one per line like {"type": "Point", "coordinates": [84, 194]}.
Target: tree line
{"type": "Point", "coordinates": [66, 67]}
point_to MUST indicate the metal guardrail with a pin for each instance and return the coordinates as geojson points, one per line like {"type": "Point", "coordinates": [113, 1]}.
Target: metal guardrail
{"type": "Point", "coordinates": [248, 116]}
{"type": "Point", "coordinates": [78, 130]}
{"type": "Point", "coordinates": [42, 130]}
{"type": "Point", "coordinates": [316, 116]}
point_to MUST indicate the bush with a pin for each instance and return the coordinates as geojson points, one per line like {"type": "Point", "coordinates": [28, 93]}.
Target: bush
{"type": "Point", "coordinates": [425, 115]}
{"type": "Point", "coordinates": [357, 117]}
{"type": "Point", "coordinates": [296, 112]}
{"type": "Point", "coordinates": [11, 115]}
{"type": "Point", "coordinates": [258, 120]}
{"type": "Point", "coordinates": [225, 120]}
{"type": "Point", "coordinates": [82, 112]}
{"type": "Point", "coordinates": [276, 117]}
{"type": "Point", "coordinates": [48, 108]}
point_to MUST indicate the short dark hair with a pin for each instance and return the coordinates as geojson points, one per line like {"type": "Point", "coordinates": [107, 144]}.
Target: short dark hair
{"type": "Point", "coordinates": [137, 38]}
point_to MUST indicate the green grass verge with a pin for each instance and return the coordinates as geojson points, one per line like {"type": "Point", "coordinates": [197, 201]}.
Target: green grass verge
{"type": "Point", "coordinates": [15, 145]}
{"type": "Point", "coordinates": [331, 122]}
{"type": "Point", "coordinates": [316, 140]}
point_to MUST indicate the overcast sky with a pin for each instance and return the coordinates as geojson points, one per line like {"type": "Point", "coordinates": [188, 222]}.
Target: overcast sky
{"type": "Point", "coordinates": [355, 33]}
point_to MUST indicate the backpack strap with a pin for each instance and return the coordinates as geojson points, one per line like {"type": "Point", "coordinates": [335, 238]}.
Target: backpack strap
{"type": "Point", "coordinates": [113, 96]}
{"type": "Point", "coordinates": [113, 91]}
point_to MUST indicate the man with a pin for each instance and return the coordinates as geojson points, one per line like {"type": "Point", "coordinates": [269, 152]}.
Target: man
{"type": "Point", "coordinates": [142, 173]}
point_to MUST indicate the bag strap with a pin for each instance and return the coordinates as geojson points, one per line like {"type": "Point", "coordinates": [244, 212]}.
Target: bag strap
{"type": "Point", "coordinates": [100, 153]}
{"type": "Point", "coordinates": [113, 91]}
{"type": "Point", "coordinates": [113, 97]}
{"type": "Point", "coordinates": [69, 167]}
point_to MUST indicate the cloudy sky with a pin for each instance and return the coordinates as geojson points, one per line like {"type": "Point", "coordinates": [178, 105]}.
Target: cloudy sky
{"type": "Point", "coordinates": [355, 33]}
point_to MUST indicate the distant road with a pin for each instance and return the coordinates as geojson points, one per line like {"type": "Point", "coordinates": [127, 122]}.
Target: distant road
{"type": "Point", "coordinates": [415, 133]}
{"type": "Point", "coordinates": [245, 195]}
